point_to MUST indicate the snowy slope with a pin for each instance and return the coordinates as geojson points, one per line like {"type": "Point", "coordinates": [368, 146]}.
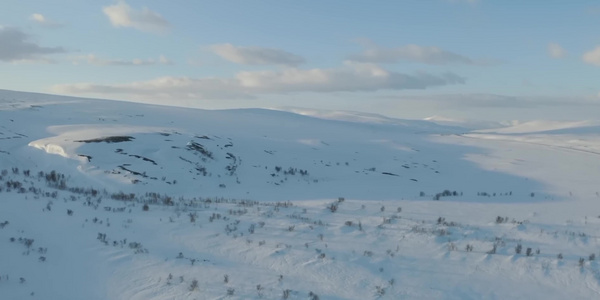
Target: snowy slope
{"type": "Point", "coordinates": [114, 200]}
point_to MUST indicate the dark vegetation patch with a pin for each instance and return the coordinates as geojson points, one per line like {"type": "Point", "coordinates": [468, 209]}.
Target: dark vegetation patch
{"type": "Point", "coordinates": [109, 139]}
{"type": "Point", "coordinates": [89, 158]}
{"type": "Point", "coordinates": [143, 158]}
{"type": "Point", "coordinates": [232, 167]}
{"type": "Point", "coordinates": [193, 146]}
{"type": "Point", "coordinates": [123, 167]}
{"type": "Point", "coordinates": [11, 137]}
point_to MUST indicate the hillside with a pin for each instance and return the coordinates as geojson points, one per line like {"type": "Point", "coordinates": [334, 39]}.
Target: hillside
{"type": "Point", "coordinates": [105, 199]}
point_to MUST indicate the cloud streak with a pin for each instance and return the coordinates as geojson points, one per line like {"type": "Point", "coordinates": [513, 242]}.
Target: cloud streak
{"type": "Point", "coordinates": [414, 53]}
{"type": "Point", "coordinates": [352, 77]}
{"type": "Point", "coordinates": [592, 57]}
{"type": "Point", "coordinates": [256, 55]}
{"type": "Point", "coordinates": [44, 22]}
{"type": "Point", "coordinates": [16, 45]}
{"type": "Point", "coordinates": [556, 51]}
{"type": "Point", "coordinates": [95, 60]}
{"type": "Point", "coordinates": [122, 15]}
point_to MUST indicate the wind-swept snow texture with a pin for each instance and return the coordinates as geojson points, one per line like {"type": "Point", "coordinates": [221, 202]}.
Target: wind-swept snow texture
{"type": "Point", "coordinates": [114, 200]}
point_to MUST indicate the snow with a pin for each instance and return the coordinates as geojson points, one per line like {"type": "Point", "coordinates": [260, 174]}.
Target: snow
{"type": "Point", "coordinates": [548, 126]}
{"type": "Point", "coordinates": [334, 204]}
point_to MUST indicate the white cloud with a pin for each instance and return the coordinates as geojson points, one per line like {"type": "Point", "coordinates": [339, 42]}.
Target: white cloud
{"type": "Point", "coordinates": [164, 87]}
{"type": "Point", "coordinates": [423, 54]}
{"type": "Point", "coordinates": [122, 15]}
{"type": "Point", "coordinates": [556, 51]}
{"type": "Point", "coordinates": [164, 60]}
{"type": "Point", "coordinates": [256, 55]}
{"type": "Point", "coordinates": [15, 45]}
{"type": "Point", "coordinates": [45, 22]}
{"type": "Point", "coordinates": [95, 60]}
{"type": "Point", "coordinates": [352, 77]}
{"type": "Point", "coordinates": [592, 57]}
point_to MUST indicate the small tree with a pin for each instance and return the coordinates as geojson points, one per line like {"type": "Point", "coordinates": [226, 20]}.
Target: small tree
{"type": "Point", "coordinates": [518, 249]}
{"type": "Point", "coordinates": [333, 207]}
{"type": "Point", "coordinates": [379, 291]}
{"type": "Point", "coordinates": [259, 290]}
{"type": "Point", "coordinates": [194, 285]}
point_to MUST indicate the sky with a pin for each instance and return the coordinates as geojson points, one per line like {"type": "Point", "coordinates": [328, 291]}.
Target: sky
{"type": "Point", "coordinates": [462, 59]}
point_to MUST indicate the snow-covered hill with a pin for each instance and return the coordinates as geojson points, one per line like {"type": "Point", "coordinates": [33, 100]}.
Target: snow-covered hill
{"type": "Point", "coordinates": [114, 200]}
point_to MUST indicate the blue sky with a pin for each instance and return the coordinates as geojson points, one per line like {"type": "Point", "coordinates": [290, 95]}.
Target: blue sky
{"type": "Point", "coordinates": [412, 59]}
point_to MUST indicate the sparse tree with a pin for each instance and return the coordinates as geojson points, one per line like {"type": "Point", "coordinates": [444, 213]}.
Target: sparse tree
{"type": "Point", "coordinates": [518, 249]}
{"type": "Point", "coordinates": [194, 285]}
{"type": "Point", "coordinates": [379, 291]}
